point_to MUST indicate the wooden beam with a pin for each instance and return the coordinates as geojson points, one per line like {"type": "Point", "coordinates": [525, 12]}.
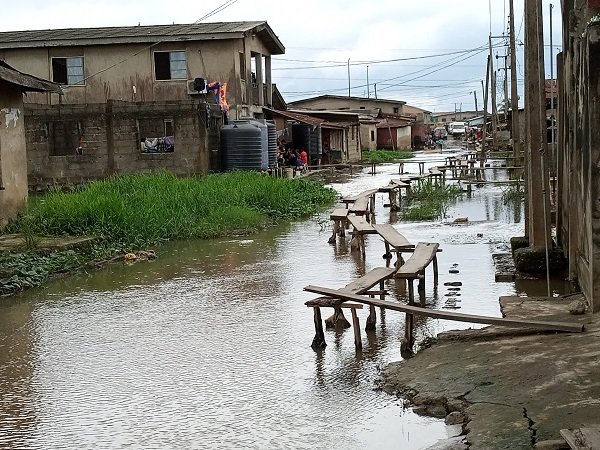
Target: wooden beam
{"type": "Point", "coordinates": [447, 315]}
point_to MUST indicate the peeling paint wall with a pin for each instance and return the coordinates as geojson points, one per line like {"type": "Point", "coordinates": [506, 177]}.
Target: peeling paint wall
{"type": "Point", "coordinates": [13, 157]}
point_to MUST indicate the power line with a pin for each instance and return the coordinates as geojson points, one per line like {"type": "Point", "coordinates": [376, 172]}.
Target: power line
{"type": "Point", "coordinates": [175, 31]}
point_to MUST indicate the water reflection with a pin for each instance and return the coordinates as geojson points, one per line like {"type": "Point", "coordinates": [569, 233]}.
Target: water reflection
{"type": "Point", "coordinates": [209, 346]}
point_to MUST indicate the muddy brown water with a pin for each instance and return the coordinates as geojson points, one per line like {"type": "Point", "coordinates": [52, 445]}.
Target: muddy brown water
{"type": "Point", "coordinates": [209, 345]}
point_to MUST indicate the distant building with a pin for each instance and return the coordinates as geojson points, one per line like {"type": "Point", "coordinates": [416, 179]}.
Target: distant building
{"type": "Point", "coordinates": [340, 102]}
{"type": "Point", "coordinates": [13, 157]}
{"type": "Point", "coordinates": [444, 118]}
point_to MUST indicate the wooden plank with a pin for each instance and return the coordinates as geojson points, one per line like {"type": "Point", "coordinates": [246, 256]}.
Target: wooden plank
{"type": "Point", "coordinates": [338, 214]}
{"type": "Point", "coordinates": [392, 236]}
{"type": "Point", "coordinates": [370, 279]}
{"type": "Point", "coordinates": [328, 302]}
{"type": "Point", "coordinates": [418, 261]}
{"type": "Point", "coordinates": [587, 438]}
{"type": "Point", "coordinates": [353, 198]}
{"type": "Point", "coordinates": [448, 315]}
{"type": "Point", "coordinates": [360, 206]}
{"type": "Point", "coordinates": [361, 226]}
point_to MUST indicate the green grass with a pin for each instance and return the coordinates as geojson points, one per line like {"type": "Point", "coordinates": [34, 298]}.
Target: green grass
{"type": "Point", "coordinates": [429, 201]}
{"type": "Point", "coordinates": [384, 156]}
{"type": "Point", "coordinates": [133, 211]}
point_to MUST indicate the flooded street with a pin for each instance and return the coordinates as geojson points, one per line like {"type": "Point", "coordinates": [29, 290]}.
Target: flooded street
{"type": "Point", "coordinates": [209, 345]}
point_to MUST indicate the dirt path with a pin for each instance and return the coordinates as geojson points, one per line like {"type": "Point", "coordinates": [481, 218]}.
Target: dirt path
{"type": "Point", "coordinates": [514, 389]}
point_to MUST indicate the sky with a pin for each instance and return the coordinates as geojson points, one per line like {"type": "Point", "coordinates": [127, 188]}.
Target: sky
{"type": "Point", "coordinates": [421, 52]}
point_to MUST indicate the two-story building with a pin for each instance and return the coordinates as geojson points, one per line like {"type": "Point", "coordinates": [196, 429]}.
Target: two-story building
{"type": "Point", "coordinates": [138, 98]}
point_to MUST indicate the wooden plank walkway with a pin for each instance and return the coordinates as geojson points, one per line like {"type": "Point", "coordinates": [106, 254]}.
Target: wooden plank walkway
{"type": "Point", "coordinates": [339, 216]}
{"type": "Point", "coordinates": [570, 327]}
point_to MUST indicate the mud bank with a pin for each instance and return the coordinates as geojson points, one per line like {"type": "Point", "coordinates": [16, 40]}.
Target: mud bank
{"type": "Point", "coordinates": [515, 389]}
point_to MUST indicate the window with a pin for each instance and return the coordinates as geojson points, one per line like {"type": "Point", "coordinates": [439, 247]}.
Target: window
{"type": "Point", "coordinates": [242, 66]}
{"type": "Point", "coordinates": [68, 71]}
{"type": "Point", "coordinates": [156, 135]}
{"type": "Point", "coordinates": [64, 138]}
{"type": "Point", "coordinates": [396, 110]}
{"type": "Point", "coordinates": [170, 65]}
{"type": "Point", "coordinates": [372, 136]}
{"type": "Point", "coordinates": [443, 119]}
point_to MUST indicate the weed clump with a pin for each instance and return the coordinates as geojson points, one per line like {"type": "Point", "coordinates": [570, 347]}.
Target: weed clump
{"type": "Point", "coordinates": [429, 201]}
{"type": "Point", "coordinates": [384, 156]}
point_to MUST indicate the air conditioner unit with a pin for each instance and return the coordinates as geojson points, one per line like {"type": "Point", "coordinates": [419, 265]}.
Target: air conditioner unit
{"type": "Point", "coordinates": [196, 86]}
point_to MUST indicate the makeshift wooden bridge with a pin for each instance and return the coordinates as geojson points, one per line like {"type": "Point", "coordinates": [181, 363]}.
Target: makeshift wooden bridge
{"type": "Point", "coordinates": [359, 213]}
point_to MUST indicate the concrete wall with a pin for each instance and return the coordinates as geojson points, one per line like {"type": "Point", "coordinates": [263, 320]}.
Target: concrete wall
{"type": "Point", "coordinates": [578, 214]}
{"type": "Point", "coordinates": [13, 157]}
{"type": "Point", "coordinates": [394, 138]}
{"type": "Point", "coordinates": [110, 140]}
{"type": "Point", "coordinates": [365, 136]}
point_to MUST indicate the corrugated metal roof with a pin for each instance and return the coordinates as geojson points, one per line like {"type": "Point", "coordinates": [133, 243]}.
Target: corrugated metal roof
{"type": "Point", "coordinates": [26, 83]}
{"type": "Point", "coordinates": [140, 34]}
{"type": "Point", "coordinates": [296, 116]}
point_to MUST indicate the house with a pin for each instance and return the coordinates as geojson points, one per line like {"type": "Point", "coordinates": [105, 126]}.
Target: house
{"type": "Point", "coordinates": [394, 134]}
{"type": "Point", "coordinates": [328, 136]}
{"type": "Point", "coordinates": [340, 102]}
{"type": "Point", "coordinates": [156, 63]}
{"type": "Point", "coordinates": [138, 98]}
{"type": "Point", "coordinates": [441, 119]}
{"type": "Point", "coordinates": [13, 158]}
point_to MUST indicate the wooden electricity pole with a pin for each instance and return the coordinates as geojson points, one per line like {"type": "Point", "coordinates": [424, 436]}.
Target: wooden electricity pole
{"type": "Point", "coordinates": [514, 96]}
{"type": "Point", "coordinates": [493, 83]}
{"type": "Point", "coordinates": [535, 101]}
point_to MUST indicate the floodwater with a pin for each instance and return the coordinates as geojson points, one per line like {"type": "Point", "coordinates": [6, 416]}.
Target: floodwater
{"type": "Point", "coordinates": [209, 345]}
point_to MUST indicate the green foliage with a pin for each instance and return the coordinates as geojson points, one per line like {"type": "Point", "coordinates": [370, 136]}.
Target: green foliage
{"type": "Point", "coordinates": [430, 201]}
{"type": "Point", "coordinates": [133, 211]}
{"type": "Point", "coordinates": [23, 270]}
{"type": "Point", "coordinates": [514, 193]}
{"type": "Point", "coordinates": [385, 156]}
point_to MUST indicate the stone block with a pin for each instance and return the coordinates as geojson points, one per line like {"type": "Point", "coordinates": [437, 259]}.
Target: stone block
{"type": "Point", "coordinates": [533, 260]}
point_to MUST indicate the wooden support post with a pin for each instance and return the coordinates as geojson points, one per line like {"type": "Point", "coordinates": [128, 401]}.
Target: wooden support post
{"type": "Point", "coordinates": [408, 325]}
{"type": "Point", "coordinates": [422, 290]}
{"type": "Point", "coordinates": [388, 253]}
{"type": "Point", "coordinates": [372, 319]}
{"type": "Point", "coordinates": [356, 323]}
{"type": "Point", "coordinates": [435, 270]}
{"type": "Point", "coordinates": [401, 168]}
{"type": "Point", "coordinates": [337, 320]}
{"type": "Point", "coordinates": [319, 339]}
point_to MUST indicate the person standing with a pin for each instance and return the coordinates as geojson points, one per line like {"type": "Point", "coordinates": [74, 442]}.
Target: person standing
{"type": "Point", "coordinates": [304, 160]}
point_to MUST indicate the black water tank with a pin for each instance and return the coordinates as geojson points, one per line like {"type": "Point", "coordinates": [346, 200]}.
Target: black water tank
{"type": "Point", "coordinates": [242, 147]}
{"type": "Point", "coordinates": [272, 135]}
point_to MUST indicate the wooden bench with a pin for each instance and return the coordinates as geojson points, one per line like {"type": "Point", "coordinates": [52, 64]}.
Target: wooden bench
{"type": "Point", "coordinates": [393, 239]}
{"type": "Point", "coordinates": [412, 269]}
{"type": "Point", "coordinates": [393, 190]}
{"type": "Point", "coordinates": [361, 227]}
{"type": "Point", "coordinates": [361, 207]}
{"type": "Point", "coordinates": [348, 200]}
{"type": "Point", "coordinates": [359, 286]}
{"type": "Point", "coordinates": [339, 216]}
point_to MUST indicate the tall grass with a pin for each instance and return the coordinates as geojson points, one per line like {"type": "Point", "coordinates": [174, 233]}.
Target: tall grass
{"type": "Point", "coordinates": [384, 156]}
{"type": "Point", "coordinates": [137, 210]}
{"type": "Point", "coordinates": [430, 200]}
{"type": "Point", "coordinates": [513, 193]}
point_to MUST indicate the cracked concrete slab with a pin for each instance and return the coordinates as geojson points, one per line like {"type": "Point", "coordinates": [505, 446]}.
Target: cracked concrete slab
{"type": "Point", "coordinates": [515, 387]}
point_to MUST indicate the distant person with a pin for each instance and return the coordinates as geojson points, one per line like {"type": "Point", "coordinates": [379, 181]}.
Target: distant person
{"type": "Point", "coordinates": [304, 159]}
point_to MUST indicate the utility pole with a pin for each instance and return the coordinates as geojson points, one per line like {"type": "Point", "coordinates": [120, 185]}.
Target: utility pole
{"type": "Point", "coordinates": [475, 97]}
{"type": "Point", "coordinates": [493, 82]}
{"type": "Point", "coordinates": [348, 77]}
{"type": "Point", "coordinates": [514, 96]}
{"type": "Point", "coordinates": [485, 103]}
{"type": "Point", "coordinates": [375, 86]}
{"type": "Point", "coordinates": [552, 165]}
{"type": "Point", "coordinates": [535, 101]}
{"type": "Point", "coordinates": [368, 89]}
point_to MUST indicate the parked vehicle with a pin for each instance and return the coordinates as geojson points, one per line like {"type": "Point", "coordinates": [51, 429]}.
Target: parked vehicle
{"type": "Point", "coordinates": [457, 128]}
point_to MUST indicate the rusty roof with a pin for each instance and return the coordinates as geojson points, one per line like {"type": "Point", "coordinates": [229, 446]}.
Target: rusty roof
{"type": "Point", "coordinates": [26, 83]}
{"type": "Point", "coordinates": [145, 34]}
{"type": "Point", "coordinates": [296, 116]}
